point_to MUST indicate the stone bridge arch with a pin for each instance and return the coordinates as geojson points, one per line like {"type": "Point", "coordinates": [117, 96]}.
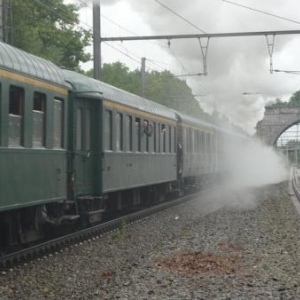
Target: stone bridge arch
{"type": "Point", "coordinates": [277, 119]}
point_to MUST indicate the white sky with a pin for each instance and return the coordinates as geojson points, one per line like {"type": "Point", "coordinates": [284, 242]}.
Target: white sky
{"type": "Point", "coordinates": [235, 65]}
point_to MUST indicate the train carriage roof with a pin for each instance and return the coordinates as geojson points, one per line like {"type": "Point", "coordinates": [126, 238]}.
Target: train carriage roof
{"type": "Point", "coordinates": [195, 122]}
{"type": "Point", "coordinates": [21, 62]}
{"type": "Point", "coordinates": [97, 89]}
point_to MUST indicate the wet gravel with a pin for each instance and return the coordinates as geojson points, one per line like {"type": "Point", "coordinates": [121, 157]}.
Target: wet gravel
{"type": "Point", "coordinates": [226, 245]}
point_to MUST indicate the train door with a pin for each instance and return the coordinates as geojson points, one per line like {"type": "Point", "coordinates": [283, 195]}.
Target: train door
{"type": "Point", "coordinates": [86, 158]}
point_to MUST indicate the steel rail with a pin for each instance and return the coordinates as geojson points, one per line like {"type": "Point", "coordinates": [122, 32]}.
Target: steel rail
{"type": "Point", "coordinates": [294, 184]}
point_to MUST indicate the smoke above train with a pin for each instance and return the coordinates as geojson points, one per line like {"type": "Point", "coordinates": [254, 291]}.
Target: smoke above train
{"type": "Point", "coordinates": [234, 65]}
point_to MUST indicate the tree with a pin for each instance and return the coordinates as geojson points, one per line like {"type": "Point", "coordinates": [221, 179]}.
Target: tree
{"type": "Point", "coordinates": [295, 99]}
{"type": "Point", "coordinates": [51, 31]}
{"type": "Point", "coordinates": [161, 87]}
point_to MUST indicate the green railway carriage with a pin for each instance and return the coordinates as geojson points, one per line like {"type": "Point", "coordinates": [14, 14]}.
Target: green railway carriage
{"type": "Point", "coordinates": [33, 130]}
{"type": "Point", "coordinates": [120, 142]}
{"type": "Point", "coordinates": [33, 115]}
{"type": "Point", "coordinates": [198, 142]}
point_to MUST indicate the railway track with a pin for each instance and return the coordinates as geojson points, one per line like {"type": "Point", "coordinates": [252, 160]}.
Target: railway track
{"type": "Point", "coordinates": [57, 244]}
{"type": "Point", "coordinates": [295, 183]}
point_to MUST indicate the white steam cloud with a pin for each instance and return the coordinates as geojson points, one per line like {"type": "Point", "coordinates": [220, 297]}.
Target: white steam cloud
{"type": "Point", "coordinates": [254, 164]}
{"type": "Point", "coordinates": [251, 165]}
{"type": "Point", "coordinates": [235, 65]}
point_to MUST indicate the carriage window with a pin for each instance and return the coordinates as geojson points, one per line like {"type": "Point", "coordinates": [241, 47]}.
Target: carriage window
{"type": "Point", "coordinates": [196, 141]}
{"type": "Point", "coordinates": [129, 133]}
{"type": "Point", "coordinates": [79, 129]}
{"type": "Point", "coordinates": [58, 124]}
{"type": "Point", "coordinates": [108, 130]}
{"type": "Point", "coordinates": [163, 137]}
{"type": "Point", "coordinates": [138, 133]}
{"type": "Point", "coordinates": [15, 128]}
{"type": "Point", "coordinates": [38, 113]}
{"type": "Point", "coordinates": [206, 142]}
{"type": "Point", "coordinates": [209, 142]}
{"type": "Point", "coordinates": [170, 138]}
{"type": "Point", "coordinates": [88, 129]}
{"type": "Point", "coordinates": [119, 132]}
{"type": "Point", "coordinates": [191, 140]}
{"type": "Point", "coordinates": [185, 139]}
{"type": "Point", "coordinates": [147, 133]}
{"type": "Point", "coordinates": [188, 140]}
{"type": "Point", "coordinates": [154, 137]}
{"type": "Point", "coordinates": [200, 142]}
{"type": "Point", "coordinates": [175, 139]}
{"type": "Point", "coordinates": [158, 137]}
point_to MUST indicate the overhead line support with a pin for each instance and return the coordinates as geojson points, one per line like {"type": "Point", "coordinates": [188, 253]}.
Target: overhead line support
{"type": "Point", "coordinates": [207, 36]}
{"type": "Point", "coordinates": [197, 36]}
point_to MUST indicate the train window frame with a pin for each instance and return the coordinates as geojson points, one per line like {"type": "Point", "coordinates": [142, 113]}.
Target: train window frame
{"type": "Point", "coordinates": [119, 131]}
{"type": "Point", "coordinates": [108, 128]}
{"type": "Point", "coordinates": [175, 139]}
{"type": "Point", "coordinates": [88, 129]}
{"type": "Point", "coordinates": [184, 131]}
{"type": "Point", "coordinates": [79, 124]}
{"type": "Point", "coordinates": [146, 125]}
{"type": "Point", "coordinates": [16, 116]}
{"type": "Point", "coordinates": [158, 138]}
{"type": "Point", "coordinates": [170, 138]}
{"type": "Point", "coordinates": [138, 144]}
{"type": "Point", "coordinates": [196, 143]}
{"type": "Point", "coordinates": [58, 123]}
{"type": "Point", "coordinates": [39, 120]}
{"type": "Point", "coordinates": [129, 135]}
{"type": "Point", "coordinates": [154, 137]}
{"type": "Point", "coordinates": [163, 137]}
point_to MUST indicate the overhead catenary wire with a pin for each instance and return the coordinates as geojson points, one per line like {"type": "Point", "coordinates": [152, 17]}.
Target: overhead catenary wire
{"type": "Point", "coordinates": [179, 16]}
{"type": "Point", "coordinates": [288, 72]}
{"type": "Point", "coordinates": [129, 56]}
{"type": "Point", "coordinates": [262, 12]}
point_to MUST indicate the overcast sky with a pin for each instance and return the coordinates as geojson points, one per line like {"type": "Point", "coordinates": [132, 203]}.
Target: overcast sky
{"type": "Point", "coordinates": [234, 65]}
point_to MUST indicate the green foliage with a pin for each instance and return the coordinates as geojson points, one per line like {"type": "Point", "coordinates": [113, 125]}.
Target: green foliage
{"type": "Point", "coordinates": [293, 101]}
{"type": "Point", "coordinates": [119, 232]}
{"type": "Point", "coordinates": [50, 29]}
{"type": "Point", "coordinates": [295, 98]}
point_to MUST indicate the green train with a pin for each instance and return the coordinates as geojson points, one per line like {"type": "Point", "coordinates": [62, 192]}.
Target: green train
{"type": "Point", "coordinates": [73, 149]}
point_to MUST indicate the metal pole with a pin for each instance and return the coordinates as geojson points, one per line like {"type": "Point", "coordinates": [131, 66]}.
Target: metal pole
{"type": "Point", "coordinates": [97, 39]}
{"type": "Point", "coordinates": [143, 75]}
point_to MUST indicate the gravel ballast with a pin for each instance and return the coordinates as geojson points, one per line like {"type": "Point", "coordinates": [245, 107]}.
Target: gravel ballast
{"type": "Point", "coordinates": [226, 245]}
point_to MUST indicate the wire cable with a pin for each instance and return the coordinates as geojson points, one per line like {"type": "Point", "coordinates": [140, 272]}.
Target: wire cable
{"type": "Point", "coordinates": [262, 12]}
{"type": "Point", "coordinates": [179, 16]}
